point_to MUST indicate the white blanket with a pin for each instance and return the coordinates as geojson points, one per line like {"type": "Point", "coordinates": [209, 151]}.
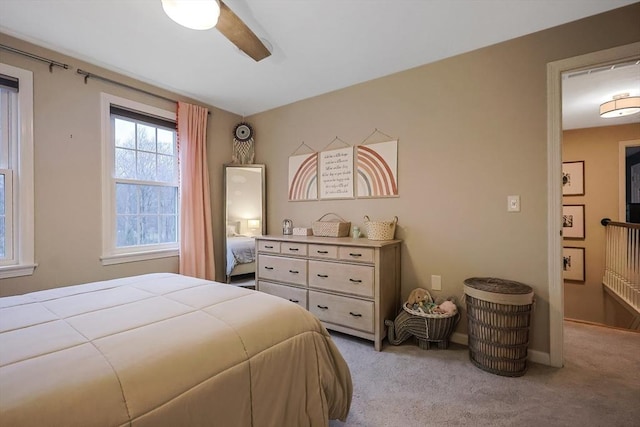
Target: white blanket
{"type": "Point", "coordinates": [166, 350]}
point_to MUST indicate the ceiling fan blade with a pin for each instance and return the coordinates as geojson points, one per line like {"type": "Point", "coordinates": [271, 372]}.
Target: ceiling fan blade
{"type": "Point", "coordinates": [239, 34]}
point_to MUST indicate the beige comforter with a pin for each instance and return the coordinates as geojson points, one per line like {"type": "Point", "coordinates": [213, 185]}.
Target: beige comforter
{"type": "Point", "coordinates": [166, 350]}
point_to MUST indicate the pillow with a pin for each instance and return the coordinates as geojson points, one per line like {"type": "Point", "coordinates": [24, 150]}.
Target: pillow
{"type": "Point", "coordinates": [231, 230]}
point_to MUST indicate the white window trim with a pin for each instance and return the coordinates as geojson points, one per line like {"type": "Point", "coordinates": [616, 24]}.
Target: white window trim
{"type": "Point", "coordinates": [23, 209]}
{"type": "Point", "coordinates": [110, 253]}
{"type": "Point", "coordinates": [9, 213]}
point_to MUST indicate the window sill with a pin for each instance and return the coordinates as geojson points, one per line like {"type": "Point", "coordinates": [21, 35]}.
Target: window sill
{"type": "Point", "coordinates": [138, 256]}
{"type": "Point", "coordinates": [8, 271]}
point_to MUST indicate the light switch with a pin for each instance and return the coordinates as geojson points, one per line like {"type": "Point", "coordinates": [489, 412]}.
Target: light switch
{"type": "Point", "coordinates": [513, 203]}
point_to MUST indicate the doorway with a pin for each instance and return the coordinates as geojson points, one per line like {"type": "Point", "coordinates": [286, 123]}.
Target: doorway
{"type": "Point", "coordinates": [629, 181]}
{"type": "Point", "coordinates": [554, 179]}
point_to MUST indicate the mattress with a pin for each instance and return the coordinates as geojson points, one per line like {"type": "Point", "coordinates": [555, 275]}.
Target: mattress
{"type": "Point", "coordinates": [240, 250]}
{"type": "Point", "coordinates": [166, 350]}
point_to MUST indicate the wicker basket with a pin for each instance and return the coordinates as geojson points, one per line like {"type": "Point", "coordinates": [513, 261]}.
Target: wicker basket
{"type": "Point", "coordinates": [331, 228]}
{"type": "Point", "coordinates": [498, 313]}
{"type": "Point", "coordinates": [380, 230]}
{"type": "Point", "coordinates": [427, 328]}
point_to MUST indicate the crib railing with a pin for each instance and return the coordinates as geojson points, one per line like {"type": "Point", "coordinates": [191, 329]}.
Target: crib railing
{"type": "Point", "coordinates": [622, 262]}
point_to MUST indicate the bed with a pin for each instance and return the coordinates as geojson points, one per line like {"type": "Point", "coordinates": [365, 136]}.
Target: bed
{"type": "Point", "coordinates": [241, 255]}
{"type": "Point", "coordinates": [166, 350]}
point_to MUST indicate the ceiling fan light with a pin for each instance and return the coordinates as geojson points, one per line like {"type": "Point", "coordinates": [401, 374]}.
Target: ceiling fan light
{"type": "Point", "coordinates": [620, 106]}
{"type": "Point", "coordinates": [194, 14]}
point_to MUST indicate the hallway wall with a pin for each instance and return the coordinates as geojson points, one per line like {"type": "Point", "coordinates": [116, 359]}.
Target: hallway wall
{"type": "Point", "coordinates": [598, 148]}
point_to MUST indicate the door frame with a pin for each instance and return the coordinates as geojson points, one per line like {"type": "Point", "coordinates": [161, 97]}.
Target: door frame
{"type": "Point", "coordinates": [554, 182]}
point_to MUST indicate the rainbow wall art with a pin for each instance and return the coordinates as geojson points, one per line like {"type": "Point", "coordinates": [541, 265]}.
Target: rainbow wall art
{"type": "Point", "coordinates": [377, 169]}
{"type": "Point", "coordinates": [303, 177]}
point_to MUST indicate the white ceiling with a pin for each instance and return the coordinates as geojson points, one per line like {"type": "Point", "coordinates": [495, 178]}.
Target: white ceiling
{"type": "Point", "coordinates": [584, 91]}
{"type": "Point", "coordinates": [318, 45]}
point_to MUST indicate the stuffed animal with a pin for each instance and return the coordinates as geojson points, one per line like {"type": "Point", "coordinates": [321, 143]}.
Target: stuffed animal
{"type": "Point", "coordinates": [418, 296]}
{"type": "Point", "coordinates": [447, 307]}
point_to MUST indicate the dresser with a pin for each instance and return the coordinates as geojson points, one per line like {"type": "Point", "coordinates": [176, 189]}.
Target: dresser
{"type": "Point", "coordinates": [351, 285]}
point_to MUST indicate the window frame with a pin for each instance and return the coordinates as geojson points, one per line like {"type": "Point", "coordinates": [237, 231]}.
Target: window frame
{"type": "Point", "coordinates": [22, 262]}
{"type": "Point", "coordinates": [8, 214]}
{"type": "Point", "coordinates": [111, 254]}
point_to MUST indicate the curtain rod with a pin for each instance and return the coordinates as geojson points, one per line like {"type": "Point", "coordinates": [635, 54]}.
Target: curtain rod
{"type": "Point", "coordinates": [87, 75]}
{"type": "Point", "coordinates": [51, 62]}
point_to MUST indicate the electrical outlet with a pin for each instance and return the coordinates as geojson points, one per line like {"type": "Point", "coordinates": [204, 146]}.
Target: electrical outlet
{"type": "Point", "coordinates": [513, 203]}
{"type": "Point", "coordinates": [436, 282]}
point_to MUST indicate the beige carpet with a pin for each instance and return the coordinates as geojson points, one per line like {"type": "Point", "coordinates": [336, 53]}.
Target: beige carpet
{"type": "Point", "coordinates": [407, 386]}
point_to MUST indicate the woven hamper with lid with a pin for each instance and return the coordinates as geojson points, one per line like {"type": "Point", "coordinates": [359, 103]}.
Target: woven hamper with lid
{"type": "Point", "coordinates": [499, 316]}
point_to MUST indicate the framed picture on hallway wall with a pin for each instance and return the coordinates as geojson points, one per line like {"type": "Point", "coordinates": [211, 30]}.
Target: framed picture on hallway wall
{"type": "Point", "coordinates": [573, 178]}
{"type": "Point", "coordinates": [573, 268]}
{"type": "Point", "coordinates": [573, 222]}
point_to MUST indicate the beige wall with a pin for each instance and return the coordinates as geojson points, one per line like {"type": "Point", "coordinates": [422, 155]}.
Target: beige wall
{"type": "Point", "coordinates": [472, 130]}
{"type": "Point", "coordinates": [598, 148]}
{"type": "Point", "coordinates": [67, 165]}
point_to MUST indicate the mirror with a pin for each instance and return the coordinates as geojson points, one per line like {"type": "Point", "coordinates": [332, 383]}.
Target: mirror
{"type": "Point", "coordinates": [244, 201]}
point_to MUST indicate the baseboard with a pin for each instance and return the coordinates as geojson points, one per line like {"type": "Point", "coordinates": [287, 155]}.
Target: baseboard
{"type": "Point", "coordinates": [534, 356]}
{"type": "Point", "coordinates": [539, 357]}
{"type": "Point", "coordinates": [459, 338]}
{"type": "Point", "coordinates": [632, 328]}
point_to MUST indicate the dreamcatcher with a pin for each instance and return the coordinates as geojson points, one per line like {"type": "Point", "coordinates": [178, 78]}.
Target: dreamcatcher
{"type": "Point", "coordinates": [243, 151]}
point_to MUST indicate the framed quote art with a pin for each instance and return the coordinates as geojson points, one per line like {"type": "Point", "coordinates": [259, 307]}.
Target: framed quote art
{"type": "Point", "coordinates": [336, 173]}
{"type": "Point", "coordinates": [573, 178]}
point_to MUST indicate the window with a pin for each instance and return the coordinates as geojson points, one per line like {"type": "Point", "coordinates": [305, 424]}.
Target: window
{"type": "Point", "coordinates": [140, 182]}
{"type": "Point", "coordinates": [16, 172]}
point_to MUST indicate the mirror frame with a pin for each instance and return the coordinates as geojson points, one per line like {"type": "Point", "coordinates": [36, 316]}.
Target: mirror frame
{"type": "Point", "coordinates": [263, 225]}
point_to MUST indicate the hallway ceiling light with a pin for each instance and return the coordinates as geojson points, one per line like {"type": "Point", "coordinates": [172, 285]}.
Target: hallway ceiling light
{"type": "Point", "coordinates": [621, 105]}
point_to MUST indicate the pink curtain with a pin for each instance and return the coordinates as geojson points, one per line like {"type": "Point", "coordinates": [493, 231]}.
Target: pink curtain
{"type": "Point", "coordinates": [196, 236]}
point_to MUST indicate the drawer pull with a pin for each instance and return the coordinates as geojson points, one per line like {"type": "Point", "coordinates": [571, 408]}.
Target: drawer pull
{"type": "Point", "coordinates": [268, 268]}
{"type": "Point", "coordinates": [324, 276]}
{"type": "Point", "coordinates": [323, 307]}
{"type": "Point", "coordinates": [355, 280]}
{"type": "Point", "coordinates": [294, 300]}
{"type": "Point", "coordinates": [294, 271]}
{"type": "Point", "coordinates": [268, 247]}
{"type": "Point", "coordinates": [293, 249]}
{"type": "Point", "coordinates": [322, 252]}
{"type": "Point", "coordinates": [352, 254]}
{"type": "Point", "coordinates": [355, 314]}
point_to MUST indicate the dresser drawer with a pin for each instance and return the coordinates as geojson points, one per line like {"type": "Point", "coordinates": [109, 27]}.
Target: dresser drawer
{"type": "Point", "coordinates": [289, 248]}
{"type": "Point", "coordinates": [347, 278]}
{"type": "Point", "coordinates": [354, 253]}
{"type": "Point", "coordinates": [323, 251]}
{"type": "Point", "coordinates": [283, 269]}
{"type": "Point", "coordinates": [295, 295]}
{"type": "Point", "coordinates": [268, 246]}
{"type": "Point", "coordinates": [343, 311]}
